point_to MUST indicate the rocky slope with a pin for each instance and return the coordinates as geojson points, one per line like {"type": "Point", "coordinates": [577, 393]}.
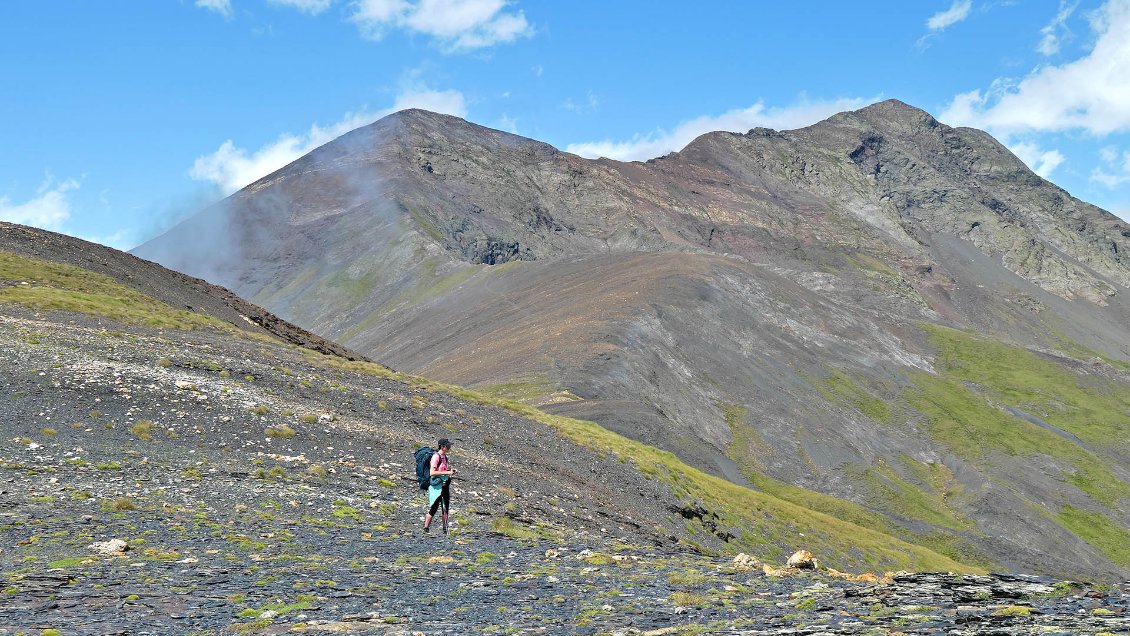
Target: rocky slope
{"type": "Point", "coordinates": [193, 477]}
{"type": "Point", "coordinates": [881, 308]}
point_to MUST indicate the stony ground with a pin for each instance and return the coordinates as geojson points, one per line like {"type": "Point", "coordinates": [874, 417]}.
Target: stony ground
{"type": "Point", "coordinates": [262, 492]}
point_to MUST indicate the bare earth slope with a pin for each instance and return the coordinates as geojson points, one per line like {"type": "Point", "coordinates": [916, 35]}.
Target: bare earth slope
{"type": "Point", "coordinates": [879, 307]}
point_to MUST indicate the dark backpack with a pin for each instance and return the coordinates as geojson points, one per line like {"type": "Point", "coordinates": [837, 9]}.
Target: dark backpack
{"type": "Point", "coordinates": [424, 467]}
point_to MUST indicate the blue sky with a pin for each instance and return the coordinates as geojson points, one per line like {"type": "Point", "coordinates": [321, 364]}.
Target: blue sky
{"type": "Point", "coordinates": [118, 117]}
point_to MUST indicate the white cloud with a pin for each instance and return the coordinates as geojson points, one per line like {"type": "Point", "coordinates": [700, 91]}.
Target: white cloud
{"type": "Point", "coordinates": [222, 7]}
{"type": "Point", "coordinates": [313, 7]}
{"type": "Point", "coordinates": [957, 12]}
{"type": "Point", "coordinates": [1050, 42]}
{"type": "Point", "coordinates": [590, 103]}
{"type": "Point", "coordinates": [1042, 162]}
{"type": "Point", "coordinates": [1115, 168]}
{"type": "Point", "coordinates": [661, 142]}
{"type": "Point", "coordinates": [49, 210]}
{"type": "Point", "coordinates": [459, 25]}
{"type": "Point", "coordinates": [508, 124]}
{"type": "Point", "coordinates": [231, 167]}
{"type": "Point", "coordinates": [449, 102]}
{"type": "Point", "coordinates": [1091, 93]}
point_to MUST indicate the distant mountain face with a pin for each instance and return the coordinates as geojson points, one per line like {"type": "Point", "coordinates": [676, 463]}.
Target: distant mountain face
{"type": "Point", "coordinates": [878, 307]}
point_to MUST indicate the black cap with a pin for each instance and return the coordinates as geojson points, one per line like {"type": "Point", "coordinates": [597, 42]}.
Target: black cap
{"type": "Point", "coordinates": [443, 443]}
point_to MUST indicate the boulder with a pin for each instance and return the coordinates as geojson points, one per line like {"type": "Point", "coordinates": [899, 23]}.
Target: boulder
{"type": "Point", "coordinates": [802, 560]}
{"type": "Point", "coordinates": [745, 562]}
{"type": "Point", "coordinates": [113, 547]}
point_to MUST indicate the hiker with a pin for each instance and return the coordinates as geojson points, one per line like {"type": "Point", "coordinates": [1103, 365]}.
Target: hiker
{"type": "Point", "coordinates": [439, 488]}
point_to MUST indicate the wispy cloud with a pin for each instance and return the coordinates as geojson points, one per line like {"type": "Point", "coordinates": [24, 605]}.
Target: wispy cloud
{"type": "Point", "coordinates": [222, 7]}
{"type": "Point", "coordinates": [313, 7]}
{"type": "Point", "coordinates": [231, 167]}
{"type": "Point", "coordinates": [660, 142]}
{"type": "Point", "coordinates": [458, 25]}
{"type": "Point", "coordinates": [1042, 162]}
{"type": "Point", "coordinates": [49, 209]}
{"type": "Point", "coordinates": [1114, 170]}
{"type": "Point", "coordinates": [588, 104]}
{"type": "Point", "coordinates": [1091, 93]}
{"type": "Point", "coordinates": [1053, 32]}
{"type": "Point", "coordinates": [957, 12]}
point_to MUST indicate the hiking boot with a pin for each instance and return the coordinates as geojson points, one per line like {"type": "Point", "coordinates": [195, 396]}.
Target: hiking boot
{"type": "Point", "coordinates": [426, 529]}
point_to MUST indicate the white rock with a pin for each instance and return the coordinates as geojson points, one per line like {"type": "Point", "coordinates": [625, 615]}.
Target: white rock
{"type": "Point", "coordinates": [110, 548]}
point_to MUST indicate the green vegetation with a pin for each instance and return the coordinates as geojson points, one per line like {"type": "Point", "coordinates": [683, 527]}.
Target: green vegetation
{"type": "Point", "coordinates": [342, 511]}
{"type": "Point", "coordinates": [962, 409]}
{"type": "Point", "coordinates": [838, 388]}
{"type": "Point", "coordinates": [1013, 610]}
{"type": "Point", "coordinates": [143, 429]}
{"type": "Point", "coordinates": [1088, 406]}
{"type": "Point", "coordinates": [275, 472]}
{"type": "Point", "coordinates": [282, 430]}
{"type": "Point", "coordinates": [1100, 532]}
{"type": "Point", "coordinates": [58, 287]}
{"type": "Point", "coordinates": [687, 599]}
{"type": "Point", "coordinates": [924, 502]}
{"type": "Point", "coordinates": [506, 526]}
{"type": "Point", "coordinates": [528, 389]}
{"type": "Point", "coordinates": [431, 285]}
{"type": "Point", "coordinates": [124, 503]}
{"type": "Point", "coordinates": [67, 563]}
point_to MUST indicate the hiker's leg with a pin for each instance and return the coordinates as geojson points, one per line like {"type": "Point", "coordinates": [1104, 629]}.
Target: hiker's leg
{"type": "Point", "coordinates": [431, 511]}
{"type": "Point", "coordinates": [445, 497]}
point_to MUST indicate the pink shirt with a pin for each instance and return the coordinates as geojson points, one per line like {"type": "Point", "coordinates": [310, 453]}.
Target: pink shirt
{"type": "Point", "coordinates": [439, 462]}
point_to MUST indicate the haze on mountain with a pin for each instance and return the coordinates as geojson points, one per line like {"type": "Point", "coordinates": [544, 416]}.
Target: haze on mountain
{"type": "Point", "coordinates": [878, 316]}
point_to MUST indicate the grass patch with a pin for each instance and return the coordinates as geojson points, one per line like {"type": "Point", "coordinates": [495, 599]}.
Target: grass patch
{"type": "Point", "coordinates": [506, 526]}
{"type": "Point", "coordinates": [966, 414]}
{"type": "Point", "coordinates": [282, 430]}
{"type": "Point", "coordinates": [122, 504]}
{"type": "Point", "coordinates": [1099, 532]}
{"type": "Point", "coordinates": [531, 389]}
{"type": "Point", "coordinates": [58, 287]}
{"type": "Point", "coordinates": [688, 599]}
{"type": "Point", "coordinates": [1013, 610]}
{"type": "Point", "coordinates": [1088, 406]}
{"type": "Point", "coordinates": [914, 501]}
{"type": "Point", "coordinates": [67, 563]}
{"type": "Point", "coordinates": [143, 429]}
{"type": "Point", "coordinates": [838, 388]}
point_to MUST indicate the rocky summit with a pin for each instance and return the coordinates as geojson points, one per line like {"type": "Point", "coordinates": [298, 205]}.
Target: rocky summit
{"type": "Point", "coordinates": [166, 471]}
{"type": "Point", "coordinates": [879, 319]}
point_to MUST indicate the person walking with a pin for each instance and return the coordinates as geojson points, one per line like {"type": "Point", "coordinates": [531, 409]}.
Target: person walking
{"type": "Point", "coordinates": [439, 488]}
